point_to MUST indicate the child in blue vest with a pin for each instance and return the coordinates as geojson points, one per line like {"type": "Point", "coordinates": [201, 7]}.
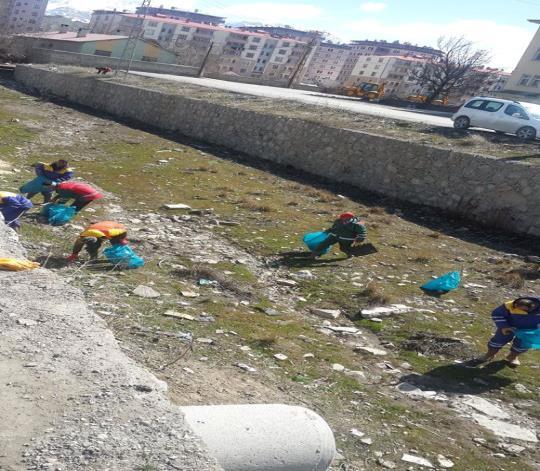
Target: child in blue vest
{"type": "Point", "coordinates": [522, 313]}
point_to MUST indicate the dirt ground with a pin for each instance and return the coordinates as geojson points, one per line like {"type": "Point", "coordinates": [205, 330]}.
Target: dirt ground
{"type": "Point", "coordinates": [235, 273]}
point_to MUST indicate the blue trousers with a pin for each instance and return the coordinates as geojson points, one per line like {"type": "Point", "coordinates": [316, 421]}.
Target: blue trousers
{"type": "Point", "coordinates": [499, 340]}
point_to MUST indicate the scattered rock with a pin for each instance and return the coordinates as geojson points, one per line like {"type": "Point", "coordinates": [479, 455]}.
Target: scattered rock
{"type": "Point", "coordinates": [326, 313]}
{"type": "Point", "coordinates": [308, 356]}
{"type": "Point", "coordinates": [444, 462]}
{"type": "Point", "coordinates": [205, 340]}
{"type": "Point", "coordinates": [386, 463]}
{"type": "Point", "coordinates": [372, 350]}
{"type": "Point", "coordinates": [505, 429]}
{"type": "Point", "coordinates": [342, 330]}
{"type": "Point", "coordinates": [177, 206]}
{"type": "Point", "coordinates": [179, 315]}
{"type": "Point", "coordinates": [357, 433]}
{"type": "Point", "coordinates": [26, 322]}
{"type": "Point", "coordinates": [521, 388]}
{"type": "Point", "coordinates": [285, 282]}
{"type": "Point", "coordinates": [281, 357]}
{"type": "Point", "coordinates": [416, 460]}
{"type": "Point", "coordinates": [245, 367]}
{"type": "Point", "coordinates": [338, 367]}
{"type": "Point", "coordinates": [189, 294]}
{"type": "Point", "coordinates": [367, 441]}
{"type": "Point", "coordinates": [145, 292]}
{"type": "Point", "coordinates": [384, 311]}
{"type": "Point", "coordinates": [511, 448]}
{"type": "Point", "coordinates": [484, 406]}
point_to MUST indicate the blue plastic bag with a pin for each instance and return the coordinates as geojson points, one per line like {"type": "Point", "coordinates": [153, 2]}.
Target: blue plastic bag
{"type": "Point", "coordinates": [448, 282]}
{"type": "Point", "coordinates": [314, 239]}
{"type": "Point", "coordinates": [123, 256]}
{"type": "Point", "coordinates": [58, 214]}
{"type": "Point", "coordinates": [35, 185]}
{"type": "Point", "coordinates": [529, 338]}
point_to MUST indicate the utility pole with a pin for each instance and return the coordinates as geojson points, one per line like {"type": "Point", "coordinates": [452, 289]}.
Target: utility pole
{"type": "Point", "coordinates": [134, 35]}
{"type": "Point", "coordinates": [302, 61]}
{"type": "Point", "coordinates": [205, 60]}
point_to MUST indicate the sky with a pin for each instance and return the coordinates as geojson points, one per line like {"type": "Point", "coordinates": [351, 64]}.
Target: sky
{"type": "Point", "coordinates": [499, 26]}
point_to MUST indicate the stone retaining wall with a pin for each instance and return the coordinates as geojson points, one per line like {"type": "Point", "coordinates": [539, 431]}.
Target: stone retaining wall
{"type": "Point", "coordinates": [494, 192]}
{"type": "Point", "coordinates": [47, 56]}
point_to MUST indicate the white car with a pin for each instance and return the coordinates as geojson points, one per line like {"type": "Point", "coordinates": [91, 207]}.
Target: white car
{"type": "Point", "coordinates": [504, 116]}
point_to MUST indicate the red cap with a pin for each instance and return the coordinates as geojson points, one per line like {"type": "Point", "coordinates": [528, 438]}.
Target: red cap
{"type": "Point", "coordinates": [346, 216]}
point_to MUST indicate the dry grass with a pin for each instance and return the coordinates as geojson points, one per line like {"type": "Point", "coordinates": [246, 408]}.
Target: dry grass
{"type": "Point", "coordinates": [196, 272]}
{"type": "Point", "coordinates": [257, 206]}
{"type": "Point", "coordinates": [376, 210]}
{"type": "Point", "coordinates": [374, 295]}
{"type": "Point", "coordinates": [422, 257]}
{"type": "Point", "coordinates": [512, 279]}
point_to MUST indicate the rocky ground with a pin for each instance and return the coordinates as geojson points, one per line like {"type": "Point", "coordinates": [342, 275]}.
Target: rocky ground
{"type": "Point", "coordinates": [228, 310]}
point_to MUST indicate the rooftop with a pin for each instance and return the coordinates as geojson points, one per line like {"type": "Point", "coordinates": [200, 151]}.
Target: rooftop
{"type": "Point", "coordinates": [72, 36]}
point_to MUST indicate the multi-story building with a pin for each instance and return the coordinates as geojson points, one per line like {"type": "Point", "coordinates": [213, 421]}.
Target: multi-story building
{"type": "Point", "coordinates": [286, 32]}
{"type": "Point", "coordinates": [21, 16]}
{"type": "Point", "coordinates": [324, 64]}
{"type": "Point", "coordinates": [178, 14]}
{"type": "Point", "coordinates": [525, 79]}
{"type": "Point", "coordinates": [396, 72]}
{"type": "Point", "coordinates": [367, 47]}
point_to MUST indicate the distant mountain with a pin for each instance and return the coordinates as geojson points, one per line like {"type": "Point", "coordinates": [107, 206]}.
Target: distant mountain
{"type": "Point", "coordinates": [71, 13]}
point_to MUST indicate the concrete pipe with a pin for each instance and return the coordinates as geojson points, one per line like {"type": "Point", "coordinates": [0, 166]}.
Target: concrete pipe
{"type": "Point", "coordinates": [264, 437]}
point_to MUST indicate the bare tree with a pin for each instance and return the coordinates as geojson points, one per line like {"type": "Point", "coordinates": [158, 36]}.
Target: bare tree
{"type": "Point", "coordinates": [457, 69]}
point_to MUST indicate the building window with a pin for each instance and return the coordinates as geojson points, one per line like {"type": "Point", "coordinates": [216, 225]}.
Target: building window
{"type": "Point", "coordinates": [152, 24]}
{"type": "Point", "coordinates": [282, 51]}
{"type": "Point", "coordinates": [252, 48]}
{"type": "Point", "coordinates": [242, 71]}
{"type": "Point", "coordinates": [286, 44]}
{"type": "Point", "coordinates": [256, 40]}
{"type": "Point", "coordinates": [102, 53]}
{"type": "Point", "coordinates": [535, 82]}
{"type": "Point", "coordinates": [537, 55]}
{"type": "Point", "coordinates": [185, 28]}
{"type": "Point", "coordinates": [373, 74]}
{"type": "Point", "coordinates": [148, 59]}
{"type": "Point", "coordinates": [524, 80]}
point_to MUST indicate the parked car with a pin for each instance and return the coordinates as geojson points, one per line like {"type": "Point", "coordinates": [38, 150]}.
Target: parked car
{"type": "Point", "coordinates": [504, 116]}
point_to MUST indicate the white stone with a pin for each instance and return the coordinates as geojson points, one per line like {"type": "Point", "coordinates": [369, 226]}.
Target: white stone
{"type": "Point", "coordinates": [511, 448]}
{"type": "Point", "coordinates": [245, 348]}
{"type": "Point", "coordinates": [343, 330]}
{"type": "Point", "coordinates": [505, 429]}
{"type": "Point", "coordinates": [284, 282]}
{"type": "Point", "coordinates": [281, 357]}
{"type": "Point", "coordinates": [484, 406]}
{"type": "Point", "coordinates": [384, 311]}
{"type": "Point", "coordinates": [26, 322]}
{"type": "Point", "coordinates": [189, 294]}
{"type": "Point", "coordinates": [338, 367]}
{"type": "Point", "coordinates": [416, 460]}
{"type": "Point", "coordinates": [176, 206]}
{"type": "Point", "coordinates": [367, 441]}
{"type": "Point", "coordinates": [146, 292]}
{"type": "Point", "coordinates": [178, 315]}
{"type": "Point", "coordinates": [372, 350]}
{"type": "Point", "coordinates": [204, 340]}
{"type": "Point", "coordinates": [358, 375]}
{"type": "Point", "coordinates": [326, 313]}
{"type": "Point", "coordinates": [444, 462]}
{"type": "Point", "coordinates": [308, 356]}
{"type": "Point", "coordinates": [357, 433]}
{"type": "Point", "coordinates": [245, 367]}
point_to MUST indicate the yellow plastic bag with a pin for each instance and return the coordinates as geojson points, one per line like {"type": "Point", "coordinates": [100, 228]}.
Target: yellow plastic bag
{"type": "Point", "coordinates": [13, 264]}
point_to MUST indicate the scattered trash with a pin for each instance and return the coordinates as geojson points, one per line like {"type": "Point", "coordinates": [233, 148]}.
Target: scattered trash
{"type": "Point", "coordinates": [444, 284]}
{"type": "Point", "coordinates": [14, 264]}
{"type": "Point", "coordinates": [314, 239]}
{"type": "Point", "coordinates": [529, 338]}
{"type": "Point", "coordinates": [384, 311]}
{"type": "Point", "coordinates": [26, 322]}
{"type": "Point", "coordinates": [357, 433]}
{"type": "Point", "coordinates": [372, 350]}
{"type": "Point", "coordinates": [205, 282]}
{"type": "Point", "coordinates": [123, 256]}
{"type": "Point", "coordinates": [189, 294]}
{"type": "Point", "coordinates": [58, 214]}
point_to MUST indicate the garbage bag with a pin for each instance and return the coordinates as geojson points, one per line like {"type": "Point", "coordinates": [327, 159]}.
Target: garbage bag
{"type": "Point", "coordinates": [529, 338]}
{"type": "Point", "coordinates": [14, 264]}
{"type": "Point", "coordinates": [123, 256]}
{"type": "Point", "coordinates": [35, 185]}
{"type": "Point", "coordinates": [314, 239]}
{"type": "Point", "coordinates": [443, 284]}
{"type": "Point", "coordinates": [58, 214]}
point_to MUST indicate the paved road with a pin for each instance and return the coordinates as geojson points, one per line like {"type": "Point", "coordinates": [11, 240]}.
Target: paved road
{"type": "Point", "coordinates": [331, 101]}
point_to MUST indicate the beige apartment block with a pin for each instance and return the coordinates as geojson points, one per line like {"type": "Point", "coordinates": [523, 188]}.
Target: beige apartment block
{"type": "Point", "coordinates": [325, 64]}
{"type": "Point", "coordinates": [396, 72]}
{"type": "Point", "coordinates": [525, 79]}
{"type": "Point", "coordinates": [21, 16]}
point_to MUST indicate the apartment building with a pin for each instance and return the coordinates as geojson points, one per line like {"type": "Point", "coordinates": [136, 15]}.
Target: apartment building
{"type": "Point", "coordinates": [367, 47]}
{"type": "Point", "coordinates": [285, 32]}
{"type": "Point", "coordinates": [21, 16]}
{"type": "Point", "coordinates": [325, 64]}
{"type": "Point", "coordinates": [525, 79]}
{"type": "Point", "coordinates": [182, 14]}
{"type": "Point", "coordinates": [395, 71]}
{"type": "Point", "coordinates": [56, 22]}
